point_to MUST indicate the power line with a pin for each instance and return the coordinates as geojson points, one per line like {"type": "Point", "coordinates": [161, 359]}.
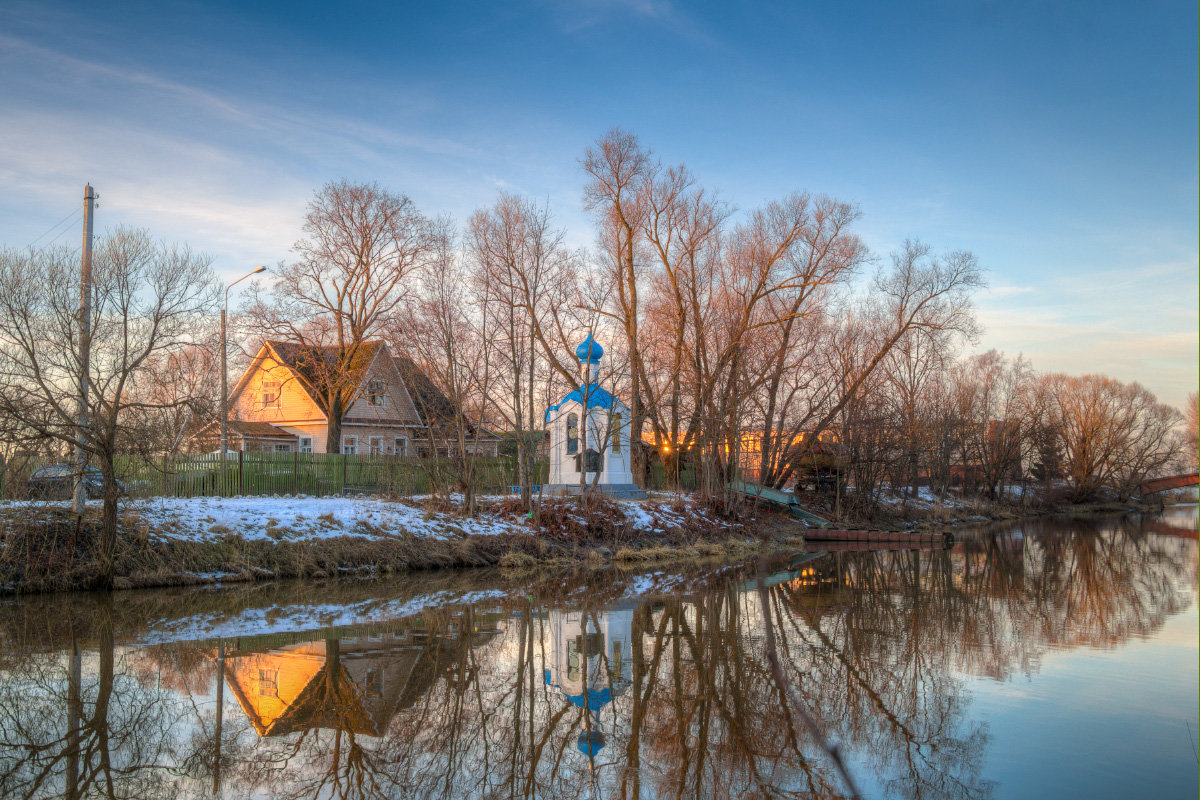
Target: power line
{"type": "Point", "coordinates": [68, 218]}
{"type": "Point", "coordinates": [60, 235]}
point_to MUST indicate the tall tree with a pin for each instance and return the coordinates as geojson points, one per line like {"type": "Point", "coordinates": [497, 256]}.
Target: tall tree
{"type": "Point", "coordinates": [361, 245]}
{"type": "Point", "coordinates": [618, 169]}
{"type": "Point", "coordinates": [152, 301]}
{"type": "Point", "coordinates": [523, 274]}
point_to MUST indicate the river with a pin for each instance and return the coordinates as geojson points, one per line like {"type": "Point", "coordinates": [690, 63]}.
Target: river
{"type": "Point", "coordinates": [1046, 658]}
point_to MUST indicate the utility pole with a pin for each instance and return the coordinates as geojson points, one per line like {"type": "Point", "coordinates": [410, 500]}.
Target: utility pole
{"type": "Point", "coordinates": [85, 351]}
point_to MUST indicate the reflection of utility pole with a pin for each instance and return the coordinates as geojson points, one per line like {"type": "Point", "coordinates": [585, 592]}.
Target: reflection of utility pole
{"type": "Point", "coordinates": [74, 717]}
{"type": "Point", "coordinates": [220, 718]}
{"type": "Point", "coordinates": [85, 351]}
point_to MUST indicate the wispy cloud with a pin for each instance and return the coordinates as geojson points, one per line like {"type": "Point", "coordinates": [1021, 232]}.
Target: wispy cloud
{"type": "Point", "coordinates": [1000, 291]}
{"type": "Point", "coordinates": [579, 15]}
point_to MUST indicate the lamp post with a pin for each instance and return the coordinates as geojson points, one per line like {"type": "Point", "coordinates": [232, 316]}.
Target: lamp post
{"type": "Point", "coordinates": [224, 371]}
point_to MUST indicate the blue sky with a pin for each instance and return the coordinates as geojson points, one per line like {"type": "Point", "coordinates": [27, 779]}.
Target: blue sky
{"type": "Point", "coordinates": [1057, 141]}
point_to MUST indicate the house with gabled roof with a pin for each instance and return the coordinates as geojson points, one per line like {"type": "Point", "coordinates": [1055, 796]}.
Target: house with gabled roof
{"type": "Point", "coordinates": [390, 405]}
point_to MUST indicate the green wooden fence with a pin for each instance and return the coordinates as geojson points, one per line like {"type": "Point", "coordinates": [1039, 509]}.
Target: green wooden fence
{"type": "Point", "coordinates": [288, 473]}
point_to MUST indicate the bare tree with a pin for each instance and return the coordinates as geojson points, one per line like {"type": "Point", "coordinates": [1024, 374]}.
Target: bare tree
{"type": "Point", "coordinates": [1113, 434]}
{"type": "Point", "coordinates": [618, 168]}
{"type": "Point", "coordinates": [150, 301]}
{"type": "Point", "coordinates": [1191, 439]}
{"type": "Point", "coordinates": [992, 395]}
{"type": "Point", "coordinates": [920, 293]}
{"type": "Point", "coordinates": [523, 274]}
{"type": "Point", "coordinates": [451, 337]}
{"type": "Point", "coordinates": [361, 245]}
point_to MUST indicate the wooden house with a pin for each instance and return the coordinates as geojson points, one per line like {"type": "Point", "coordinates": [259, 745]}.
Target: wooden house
{"type": "Point", "coordinates": [391, 408]}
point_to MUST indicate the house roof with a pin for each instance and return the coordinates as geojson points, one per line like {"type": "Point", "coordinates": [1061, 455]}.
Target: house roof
{"type": "Point", "coordinates": [431, 403]}
{"type": "Point", "coordinates": [258, 429]}
{"type": "Point", "coordinates": [310, 363]}
{"type": "Point", "coordinates": [237, 427]}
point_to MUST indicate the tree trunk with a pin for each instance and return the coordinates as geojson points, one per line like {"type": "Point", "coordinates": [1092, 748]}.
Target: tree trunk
{"type": "Point", "coordinates": [108, 524]}
{"type": "Point", "coordinates": [333, 428]}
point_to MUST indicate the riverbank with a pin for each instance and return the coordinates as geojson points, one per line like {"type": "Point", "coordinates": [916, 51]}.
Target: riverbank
{"type": "Point", "coordinates": [176, 542]}
{"type": "Point", "coordinates": [927, 512]}
{"type": "Point", "coordinates": [173, 542]}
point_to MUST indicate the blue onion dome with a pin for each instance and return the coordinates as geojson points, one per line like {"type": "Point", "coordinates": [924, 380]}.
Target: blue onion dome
{"type": "Point", "coordinates": [590, 351]}
{"type": "Point", "coordinates": [590, 743]}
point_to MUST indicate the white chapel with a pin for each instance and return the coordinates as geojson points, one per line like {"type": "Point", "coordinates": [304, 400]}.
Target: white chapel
{"type": "Point", "coordinates": [589, 431]}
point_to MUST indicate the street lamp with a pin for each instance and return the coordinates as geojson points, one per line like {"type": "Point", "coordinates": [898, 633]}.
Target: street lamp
{"type": "Point", "coordinates": [224, 370]}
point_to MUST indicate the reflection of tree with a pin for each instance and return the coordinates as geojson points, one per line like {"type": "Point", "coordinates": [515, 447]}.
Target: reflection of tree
{"type": "Point", "coordinates": [70, 732]}
{"type": "Point", "coordinates": [459, 702]}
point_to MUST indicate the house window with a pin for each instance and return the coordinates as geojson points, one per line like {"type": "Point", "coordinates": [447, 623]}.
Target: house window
{"type": "Point", "coordinates": [305, 444]}
{"type": "Point", "coordinates": [616, 433]}
{"type": "Point", "coordinates": [572, 434]}
{"type": "Point", "coordinates": [377, 393]}
{"type": "Point", "coordinates": [350, 445]}
{"type": "Point", "coordinates": [268, 682]}
{"type": "Point", "coordinates": [401, 446]}
{"type": "Point", "coordinates": [376, 445]}
{"type": "Point", "coordinates": [270, 394]}
{"type": "Point", "coordinates": [283, 448]}
{"type": "Point", "coordinates": [374, 682]}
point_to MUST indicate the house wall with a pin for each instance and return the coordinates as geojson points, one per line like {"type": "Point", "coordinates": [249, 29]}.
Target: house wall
{"type": "Point", "coordinates": [388, 433]}
{"type": "Point", "coordinates": [294, 405]}
{"type": "Point", "coordinates": [396, 405]}
{"type": "Point", "coordinates": [269, 683]}
{"type": "Point", "coordinates": [316, 432]}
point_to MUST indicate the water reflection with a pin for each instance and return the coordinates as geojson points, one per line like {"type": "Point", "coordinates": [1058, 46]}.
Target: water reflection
{"type": "Point", "coordinates": [528, 695]}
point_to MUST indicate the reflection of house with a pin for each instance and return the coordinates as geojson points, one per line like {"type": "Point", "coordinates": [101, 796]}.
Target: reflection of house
{"type": "Point", "coordinates": [390, 404]}
{"type": "Point", "coordinates": [351, 684]}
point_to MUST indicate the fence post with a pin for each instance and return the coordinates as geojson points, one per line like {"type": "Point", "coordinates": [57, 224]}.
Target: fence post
{"type": "Point", "coordinates": [343, 473]}
{"type": "Point", "coordinates": [241, 453]}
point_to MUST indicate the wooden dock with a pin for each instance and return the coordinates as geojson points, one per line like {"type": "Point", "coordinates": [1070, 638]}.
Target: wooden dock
{"type": "Point", "coordinates": [883, 537]}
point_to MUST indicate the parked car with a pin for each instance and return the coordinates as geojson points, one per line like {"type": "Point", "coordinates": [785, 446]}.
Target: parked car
{"type": "Point", "coordinates": [58, 480]}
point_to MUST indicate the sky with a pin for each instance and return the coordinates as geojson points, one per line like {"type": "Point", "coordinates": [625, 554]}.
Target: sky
{"type": "Point", "coordinates": [1056, 141]}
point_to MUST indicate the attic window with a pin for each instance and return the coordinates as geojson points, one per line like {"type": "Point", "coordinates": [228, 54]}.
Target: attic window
{"type": "Point", "coordinates": [377, 393]}
{"type": "Point", "coordinates": [268, 682]}
{"type": "Point", "coordinates": [270, 394]}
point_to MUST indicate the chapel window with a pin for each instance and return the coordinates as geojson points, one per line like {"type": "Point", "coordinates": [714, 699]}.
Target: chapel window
{"type": "Point", "coordinates": [572, 434]}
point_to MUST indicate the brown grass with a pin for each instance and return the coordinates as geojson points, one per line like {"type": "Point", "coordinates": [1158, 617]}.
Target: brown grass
{"type": "Point", "coordinates": [53, 552]}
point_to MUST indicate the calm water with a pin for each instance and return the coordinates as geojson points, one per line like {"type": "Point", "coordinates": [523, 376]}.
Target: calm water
{"type": "Point", "coordinates": [1046, 659]}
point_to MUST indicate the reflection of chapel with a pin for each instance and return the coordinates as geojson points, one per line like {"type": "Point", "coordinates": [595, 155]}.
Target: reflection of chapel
{"type": "Point", "coordinates": [590, 662]}
{"type": "Point", "coordinates": [589, 435]}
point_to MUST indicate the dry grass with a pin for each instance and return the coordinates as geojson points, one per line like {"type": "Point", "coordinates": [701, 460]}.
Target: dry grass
{"type": "Point", "coordinates": [54, 553]}
{"type": "Point", "coordinates": [697, 551]}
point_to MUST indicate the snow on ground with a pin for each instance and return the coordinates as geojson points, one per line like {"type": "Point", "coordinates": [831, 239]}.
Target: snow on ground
{"type": "Point", "coordinates": [303, 518]}
{"type": "Point", "coordinates": [288, 618]}
{"type": "Point", "coordinates": [292, 518]}
{"type": "Point", "coordinates": [925, 498]}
